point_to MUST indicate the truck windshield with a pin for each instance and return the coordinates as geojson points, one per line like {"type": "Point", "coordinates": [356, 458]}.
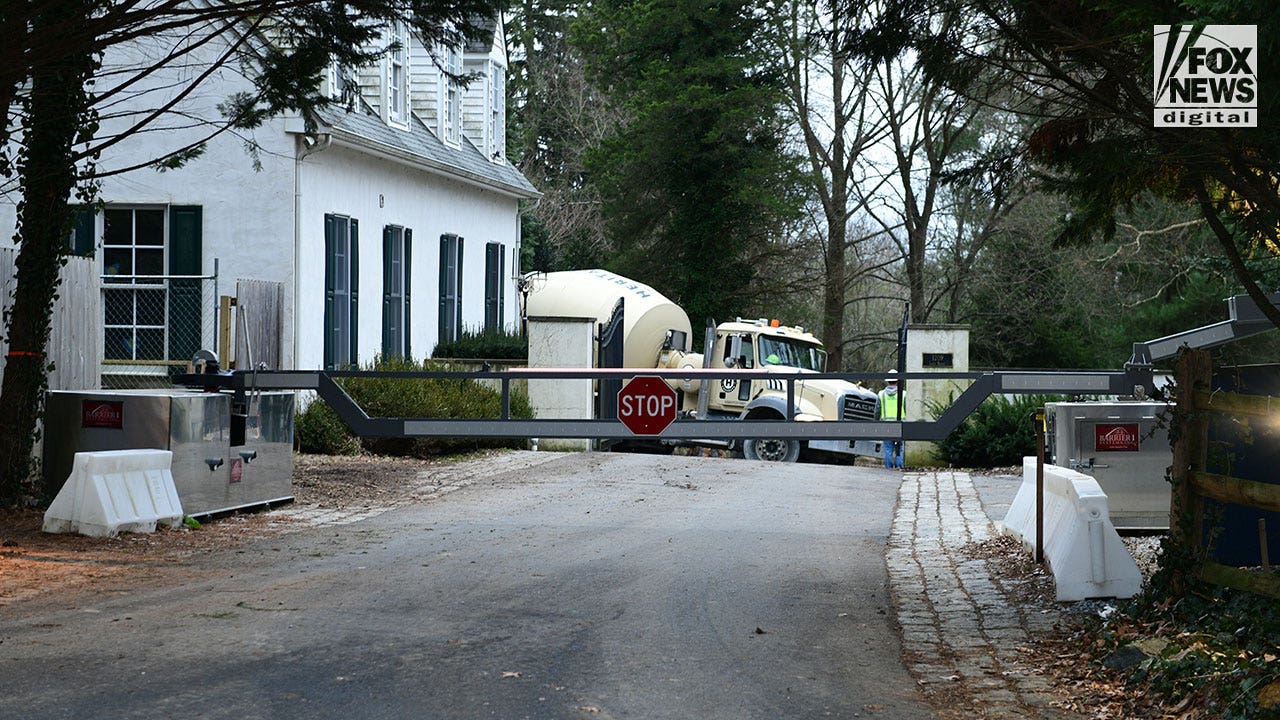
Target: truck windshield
{"type": "Point", "coordinates": [792, 353]}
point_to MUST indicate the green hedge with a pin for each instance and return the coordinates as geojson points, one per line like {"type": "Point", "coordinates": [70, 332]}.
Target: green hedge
{"type": "Point", "coordinates": [319, 430]}
{"type": "Point", "coordinates": [998, 434]}
{"type": "Point", "coordinates": [484, 345]}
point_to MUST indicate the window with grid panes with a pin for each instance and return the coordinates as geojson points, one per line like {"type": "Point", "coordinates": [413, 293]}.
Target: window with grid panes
{"type": "Point", "coordinates": [135, 297]}
{"type": "Point", "coordinates": [497, 113]}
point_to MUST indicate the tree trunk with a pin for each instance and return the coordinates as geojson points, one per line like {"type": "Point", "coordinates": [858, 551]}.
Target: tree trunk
{"type": "Point", "coordinates": [916, 272]}
{"type": "Point", "coordinates": [833, 292]}
{"type": "Point", "coordinates": [837, 208]}
{"type": "Point", "coordinates": [57, 109]}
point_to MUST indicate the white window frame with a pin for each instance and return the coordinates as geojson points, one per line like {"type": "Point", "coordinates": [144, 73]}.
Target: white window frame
{"type": "Point", "coordinates": [133, 284]}
{"type": "Point", "coordinates": [497, 113]}
{"type": "Point", "coordinates": [335, 76]}
{"type": "Point", "coordinates": [451, 95]}
{"type": "Point", "coordinates": [397, 78]}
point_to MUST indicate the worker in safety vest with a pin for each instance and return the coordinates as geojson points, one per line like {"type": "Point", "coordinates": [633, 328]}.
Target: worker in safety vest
{"type": "Point", "coordinates": [889, 409]}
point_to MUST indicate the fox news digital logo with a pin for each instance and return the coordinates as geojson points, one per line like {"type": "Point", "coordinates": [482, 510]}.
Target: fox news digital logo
{"type": "Point", "coordinates": [1206, 76]}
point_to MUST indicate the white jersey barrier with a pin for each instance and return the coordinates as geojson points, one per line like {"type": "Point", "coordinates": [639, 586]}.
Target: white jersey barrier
{"type": "Point", "coordinates": [116, 491]}
{"type": "Point", "coordinates": [1080, 543]}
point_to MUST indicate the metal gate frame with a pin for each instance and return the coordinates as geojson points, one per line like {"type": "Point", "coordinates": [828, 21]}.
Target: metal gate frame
{"type": "Point", "coordinates": [1131, 381]}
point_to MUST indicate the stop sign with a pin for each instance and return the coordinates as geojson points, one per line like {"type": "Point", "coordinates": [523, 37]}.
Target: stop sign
{"type": "Point", "coordinates": [647, 405]}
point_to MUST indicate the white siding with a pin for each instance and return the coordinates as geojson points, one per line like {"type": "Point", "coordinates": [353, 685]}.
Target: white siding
{"type": "Point", "coordinates": [475, 103]}
{"type": "Point", "coordinates": [377, 193]}
{"type": "Point", "coordinates": [371, 79]}
{"type": "Point", "coordinates": [424, 85]}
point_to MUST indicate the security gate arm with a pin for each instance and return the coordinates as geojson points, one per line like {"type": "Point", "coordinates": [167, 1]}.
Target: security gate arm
{"type": "Point", "coordinates": [1245, 320]}
{"type": "Point", "coordinates": [984, 385]}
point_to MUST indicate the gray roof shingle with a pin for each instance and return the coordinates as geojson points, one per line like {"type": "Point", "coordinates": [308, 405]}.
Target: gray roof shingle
{"type": "Point", "coordinates": [419, 144]}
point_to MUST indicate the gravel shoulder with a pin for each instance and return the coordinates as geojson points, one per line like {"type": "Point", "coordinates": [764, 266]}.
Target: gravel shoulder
{"type": "Point", "coordinates": [35, 563]}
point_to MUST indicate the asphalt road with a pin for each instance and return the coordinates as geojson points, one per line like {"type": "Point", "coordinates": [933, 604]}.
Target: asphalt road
{"type": "Point", "coordinates": [590, 586]}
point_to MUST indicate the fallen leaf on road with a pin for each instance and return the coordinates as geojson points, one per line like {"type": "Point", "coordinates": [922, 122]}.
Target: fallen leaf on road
{"type": "Point", "coordinates": [589, 708]}
{"type": "Point", "coordinates": [759, 631]}
{"type": "Point", "coordinates": [509, 674]}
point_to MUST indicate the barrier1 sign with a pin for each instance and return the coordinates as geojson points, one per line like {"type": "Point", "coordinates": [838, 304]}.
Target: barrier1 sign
{"type": "Point", "coordinates": [1115, 437]}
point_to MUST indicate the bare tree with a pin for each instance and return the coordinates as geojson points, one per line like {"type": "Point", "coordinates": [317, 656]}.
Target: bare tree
{"type": "Point", "coordinates": [927, 126]}
{"type": "Point", "coordinates": [830, 99]}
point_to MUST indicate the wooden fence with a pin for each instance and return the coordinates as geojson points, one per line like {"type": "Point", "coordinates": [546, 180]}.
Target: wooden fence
{"type": "Point", "coordinates": [1192, 484]}
{"type": "Point", "coordinates": [75, 340]}
{"type": "Point", "coordinates": [259, 324]}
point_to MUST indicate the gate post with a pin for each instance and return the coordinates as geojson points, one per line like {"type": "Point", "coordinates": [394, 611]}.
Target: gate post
{"type": "Point", "coordinates": [1189, 432]}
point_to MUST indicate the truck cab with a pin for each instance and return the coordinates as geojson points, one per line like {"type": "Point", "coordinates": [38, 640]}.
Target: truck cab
{"type": "Point", "coordinates": [778, 349]}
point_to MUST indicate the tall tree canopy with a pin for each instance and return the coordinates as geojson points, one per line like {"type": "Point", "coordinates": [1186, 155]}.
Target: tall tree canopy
{"type": "Point", "coordinates": [695, 182]}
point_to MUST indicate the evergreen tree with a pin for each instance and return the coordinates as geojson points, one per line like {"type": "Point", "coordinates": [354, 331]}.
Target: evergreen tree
{"type": "Point", "coordinates": [695, 182]}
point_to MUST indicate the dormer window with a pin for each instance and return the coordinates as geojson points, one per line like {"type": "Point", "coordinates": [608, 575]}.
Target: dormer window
{"type": "Point", "coordinates": [341, 85]}
{"type": "Point", "coordinates": [497, 113]}
{"type": "Point", "coordinates": [398, 74]}
{"type": "Point", "coordinates": [451, 118]}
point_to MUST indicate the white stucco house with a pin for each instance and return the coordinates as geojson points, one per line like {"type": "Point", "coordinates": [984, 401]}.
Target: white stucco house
{"type": "Point", "coordinates": [392, 225]}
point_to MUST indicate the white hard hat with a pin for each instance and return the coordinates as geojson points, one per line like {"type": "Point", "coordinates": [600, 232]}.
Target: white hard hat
{"type": "Point", "coordinates": [891, 379]}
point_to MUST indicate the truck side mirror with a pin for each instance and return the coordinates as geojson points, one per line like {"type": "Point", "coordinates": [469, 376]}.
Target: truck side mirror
{"type": "Point", "coordinates": [733, 355]}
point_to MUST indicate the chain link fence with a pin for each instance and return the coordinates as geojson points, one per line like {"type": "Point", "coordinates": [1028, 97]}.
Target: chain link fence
{"type": "Point", "coordinates": [153, 324]}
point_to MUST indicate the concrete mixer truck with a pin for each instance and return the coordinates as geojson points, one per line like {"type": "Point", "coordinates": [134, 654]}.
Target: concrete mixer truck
{"type": "Point", "coordinates": [656, 333]}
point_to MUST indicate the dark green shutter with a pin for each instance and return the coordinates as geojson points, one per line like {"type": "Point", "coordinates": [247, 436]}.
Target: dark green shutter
{"type": "Point", "coordinates": [330, 281]}
{"type": "Point", "coordinates": [446, 268]}
{"type": "Point", "coordinates": [355, 294]}
{"type": "Point", "coordinates": [457, 294]}
{"type": "Point", "coordinates": [491, 255]}
{"type": "Point", "coordinates": [82, 240]}
{"type": "Point", "coordinates": [388, 341]}
{"type": "Point", "coordinates": [408, 296]}
{"type": "Point", "coordinates": [502, 286]}
{"type": "Point", "coordinates": [185, 228]}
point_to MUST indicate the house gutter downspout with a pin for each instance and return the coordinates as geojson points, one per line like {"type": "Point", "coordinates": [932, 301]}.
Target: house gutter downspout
{"type": "Point", "coordinates": [320, 142]}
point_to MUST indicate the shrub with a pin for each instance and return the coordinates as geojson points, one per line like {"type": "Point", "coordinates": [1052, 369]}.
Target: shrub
{"type": "Point", "coordinates": [318, 429]}
{"type": "Point", "coordinates": [998, 434]}
{"type": "Point", "coordinates": [411, 398]}
{"type": "Point", "coordinates": [484, 345]}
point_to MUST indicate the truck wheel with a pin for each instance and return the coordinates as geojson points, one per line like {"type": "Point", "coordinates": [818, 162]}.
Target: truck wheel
{"type": "Point", "coordinates": [771, 450]}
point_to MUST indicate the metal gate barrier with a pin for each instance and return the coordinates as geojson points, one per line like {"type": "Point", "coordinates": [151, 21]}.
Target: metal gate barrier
{"type": "Point", "coordinates": [1135, 380]}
